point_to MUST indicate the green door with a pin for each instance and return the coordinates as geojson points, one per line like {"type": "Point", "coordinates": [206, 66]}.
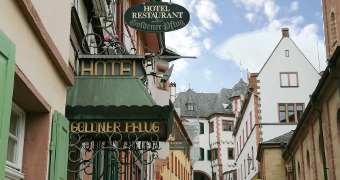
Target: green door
{"type": "Point", "coordinates": [59, 147]}
{"type": "Point", "coordinates": [7, 66]}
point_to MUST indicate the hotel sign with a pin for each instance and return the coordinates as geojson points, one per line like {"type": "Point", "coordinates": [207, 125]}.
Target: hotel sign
{"type": "Point", "coordinates": [177, 145]}
{"type": "Point", "coordinates": [157, 17]}
{"type": "Point", "coordinates": [120, 129]}
{"type": "Point", "coordinates": [94, 66]}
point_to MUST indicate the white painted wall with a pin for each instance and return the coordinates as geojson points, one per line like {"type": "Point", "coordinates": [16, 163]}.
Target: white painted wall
{"type": "Point", "coordinates": [250, 141]}
{"type": "Point", "coordinates": [31, 57]}
{"type": "Point", "coordinates": [272, 93]}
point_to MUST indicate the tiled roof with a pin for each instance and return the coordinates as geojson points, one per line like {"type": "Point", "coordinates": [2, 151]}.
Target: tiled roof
{"type": "Point", "coordinates": [283, 138]}
{"type": "Point", "coordinates": [206, 104]}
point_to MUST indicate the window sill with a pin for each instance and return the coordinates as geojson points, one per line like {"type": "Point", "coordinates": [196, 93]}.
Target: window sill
{"type": "Point", "coordinates": [13, 173]}
{"type": "Point", "coordinates": [289, 86]}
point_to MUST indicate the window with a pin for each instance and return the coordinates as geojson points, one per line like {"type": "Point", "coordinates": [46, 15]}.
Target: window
{"type": "Point", "coordinates": [247, 129]}
{"type": "Point", "coordinates": [164, 85]}
{"type": "Point", "coordinates": [16, 142]}
{"type": "Point", "coordinates": [201, 128]}
{"type": "Point", "coordinates": [287, 53]}
{"type": "Point", "coordinates": [227, 125]}
{"type": "Point", "coordinates": [231, 153]}
{"type": "Point", "coordinates": [243, 136]}
{"type": "Point", "coordinates": [289, 79]}
{"type": "Point", "coordinates": [211, 127]}
{"type": "Point", "coordinates": [252, 156]}
{"type": "Point", "coordinates": [201, 154]}
{"type": "Point", "coordinates": [190, 107]}
{"type": "Point", "coordinates": [333, 33]}
{"type": "Point", "coordinates": [290, 113]}
{"type": "Point", "coordinates": [209, 155]}
{"type": "Point", "coordinates": [251, 121]}
{"type": "Point", "coordinates": [176, 166]}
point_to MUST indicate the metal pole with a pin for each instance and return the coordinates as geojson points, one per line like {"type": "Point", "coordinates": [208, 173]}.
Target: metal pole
{"type": "Point", "coordinates": [142, 169]}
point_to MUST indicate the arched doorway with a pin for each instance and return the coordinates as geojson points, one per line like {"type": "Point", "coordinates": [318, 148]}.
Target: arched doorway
{"type": "Point", "coordinates": [201, 175]}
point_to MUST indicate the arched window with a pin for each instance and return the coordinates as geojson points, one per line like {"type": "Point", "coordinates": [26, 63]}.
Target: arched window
{"type": "Point", "coordinates": [333, 31]}
{"type": "Point", "coordinates": [338, 124]}
{"type": "Point", "coordinates": [308, 159]}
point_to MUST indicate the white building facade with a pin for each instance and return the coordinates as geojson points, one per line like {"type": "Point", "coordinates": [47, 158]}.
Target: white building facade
{"type": "Point", "coordinates": [215, 113]}
{"type": "Point", "coordinates": [275, 102]}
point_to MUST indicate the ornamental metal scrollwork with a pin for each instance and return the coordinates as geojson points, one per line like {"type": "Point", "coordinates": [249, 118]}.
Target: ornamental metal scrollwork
{"type": "Point", "coordinates": [86, 151]}
{"type": "Point", "coordinates": [93, 43]}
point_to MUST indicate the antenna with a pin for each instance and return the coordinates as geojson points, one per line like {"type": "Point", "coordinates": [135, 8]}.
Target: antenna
{"type": "Point", "coordinates": [241, 67]}
{"type": "Point", "coordinates": [317, 47]}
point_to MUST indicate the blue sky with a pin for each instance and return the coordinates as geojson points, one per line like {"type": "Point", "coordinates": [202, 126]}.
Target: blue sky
{"type": "Point", "coordinates": [225, 33]}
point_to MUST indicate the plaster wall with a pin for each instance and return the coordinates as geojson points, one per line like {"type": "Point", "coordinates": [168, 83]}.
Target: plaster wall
{"type": "Point", "coordinates": [55, 16]}
{"type": "Point", "coordinates": [204, 165]}
{"type": "Point", "coordinates": [227, 141]}
{"type": "Point", "coordinates": [250, 140]}
{"type": "Point", "coordinates": [159, 95]}
{"type": "Point", "coordinates": [272, 93]}
{"type": "Point", "coordinates": [168, 172]}
{"type": "Point", "coordinates": [31, 57]}
{"type": "Point", "coordinates": [334, 105]}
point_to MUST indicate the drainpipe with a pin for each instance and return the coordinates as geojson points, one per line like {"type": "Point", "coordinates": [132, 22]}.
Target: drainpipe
{"type": "Point", "coordinates": [321, 136]}
{"type": "Point", "coordinates": [293, 160]}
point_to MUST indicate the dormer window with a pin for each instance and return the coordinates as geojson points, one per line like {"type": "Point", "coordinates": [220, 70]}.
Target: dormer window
{"type": "Point", "coordinates": [190, 105]}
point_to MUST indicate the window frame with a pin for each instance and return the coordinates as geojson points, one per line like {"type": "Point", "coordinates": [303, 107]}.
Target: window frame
{"type": "Point", "coordinates": [201, 128]}
{"type": "Point", "coordinates": [211, 127]}
{"type": "Point", "coordinates": [201, 156]}
{"type": "Point", "coordinates": [161, 69]}
{"type": "Point", "coordinates": [228, 121]}
{"type": "Point", "coordinates": [233, 153]}
{"type": "Point", "coordinates": [296, 118]}
{"type": "Point", "coordinates": [14, 169]}
{"type": "Point", "coordinates": [288, 73]}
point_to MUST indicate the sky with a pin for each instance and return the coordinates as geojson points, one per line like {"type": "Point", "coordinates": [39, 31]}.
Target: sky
{"type": "Point", "coordinates": [228, 36]}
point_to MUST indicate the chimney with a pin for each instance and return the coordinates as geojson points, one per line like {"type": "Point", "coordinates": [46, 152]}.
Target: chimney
{"type": "Point", "coordinates": [285, 32]}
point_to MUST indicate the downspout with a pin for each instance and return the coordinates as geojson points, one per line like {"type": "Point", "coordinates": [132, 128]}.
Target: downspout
{"type": "Point", "coordinates": [321, 137]}
{"type": "Point", "coordinates": [293, 163]}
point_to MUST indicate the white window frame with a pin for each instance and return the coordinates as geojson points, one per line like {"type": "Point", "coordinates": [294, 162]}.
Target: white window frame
{"type": "Point", "coordinates": [13, 170]}
{"type": "Point", "coordinates": [289, 84]}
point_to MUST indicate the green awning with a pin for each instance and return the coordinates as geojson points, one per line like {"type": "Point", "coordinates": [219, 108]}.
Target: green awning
{"type": "Point", "coordinates": [110, 98]}
{"type": "Point", "coordinates": [108, 91]}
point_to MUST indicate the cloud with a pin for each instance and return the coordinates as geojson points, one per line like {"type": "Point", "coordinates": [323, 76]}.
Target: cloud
{"type": "Point", "coordinates": [206, 13]}
{"type": "Point", "coordinates": [250, 16]}
{"type": "Point", "coordinates": [250, 4]}
{"type": "Point", "coordinates": [294, 6]}
{"type": "Point", "coordinates": [259, 44]}
{"type": "Point", "coordinates": [207, 74]}
{"type": "Point", "coordinates": [271, 9]}
{"type": "Point", "coordinates": [207, 43]}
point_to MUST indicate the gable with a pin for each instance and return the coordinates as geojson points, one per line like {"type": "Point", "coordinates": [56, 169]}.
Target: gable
{"type": "Point", "coordinates": [278, 61]}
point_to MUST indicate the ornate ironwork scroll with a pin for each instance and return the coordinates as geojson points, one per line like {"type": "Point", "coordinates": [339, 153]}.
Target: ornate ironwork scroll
{"type": "Point", "coordinates": [93, 43]}
{"type": "Point", "coordinates": [103, 155]}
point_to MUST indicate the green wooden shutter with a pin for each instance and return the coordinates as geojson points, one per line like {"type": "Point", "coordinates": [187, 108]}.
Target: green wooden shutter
{"type": "Point", "coordinates": [209, 155]}
{"type": "Point", "coordinates": [7, 66]}
{"type": "Point", "coordinates": [59, 147]}
{"type": "Point", "coordinates": [216, 154]}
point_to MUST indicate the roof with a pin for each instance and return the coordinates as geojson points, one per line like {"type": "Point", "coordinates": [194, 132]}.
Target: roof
{"type": "Point", "coordinates": [274, 143]}
{"type": "Point", "coordinates": [283, 138]}
{"type": "Point", "coordinates": [206, 104]}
